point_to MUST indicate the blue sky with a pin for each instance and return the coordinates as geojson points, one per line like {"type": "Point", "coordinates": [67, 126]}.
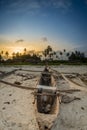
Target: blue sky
{"type": "Point", "coordinates": [38, 23]}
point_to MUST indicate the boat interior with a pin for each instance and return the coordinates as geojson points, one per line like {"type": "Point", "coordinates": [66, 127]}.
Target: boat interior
{"type": "Point", "coordinates": [47, 79]}
{"type": "Point", "coordinates": [46, 98]}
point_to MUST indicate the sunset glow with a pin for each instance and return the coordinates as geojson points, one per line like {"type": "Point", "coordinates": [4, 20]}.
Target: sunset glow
{"type": "Point", "coordinates": [34, 24]}
{"type": "Point", "coordinates": [18, 50]}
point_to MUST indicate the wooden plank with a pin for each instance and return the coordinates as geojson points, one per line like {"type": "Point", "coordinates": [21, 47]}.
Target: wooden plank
{"type": "Point", "coordinates": [46, 87]}
{"type": "Point", "coordinates": [48, 94]}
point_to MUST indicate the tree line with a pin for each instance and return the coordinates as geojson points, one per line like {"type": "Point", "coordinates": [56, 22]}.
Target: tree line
{"type": "Point", "coordinates": [26, 57]}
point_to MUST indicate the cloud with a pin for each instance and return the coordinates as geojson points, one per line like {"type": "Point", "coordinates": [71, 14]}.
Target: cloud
{"type": "Point", "coordinates": [44, 39]}
{"type": "Point", "coordinates": [62, 4]}
{"type": "Point", "coordinates": [33, 5]}
{"type": "Point", "coordinates": [20, 40]}
{"type": "Point", "coordinates": [19, 6]}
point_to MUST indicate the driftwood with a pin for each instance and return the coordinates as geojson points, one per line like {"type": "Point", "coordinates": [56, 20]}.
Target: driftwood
{"type": "Point", "coordinates": [31, 70]}
{"type": "Point", "coordinates": [18, 86]}
{"type": "Point", "coordinates": [30, 88]}
{"type": "Point", "coordinates": [74, 82]}
{"type": "Point", "coordinates": [69, 90]}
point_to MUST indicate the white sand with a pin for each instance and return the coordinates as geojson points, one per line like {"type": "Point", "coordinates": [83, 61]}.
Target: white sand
{"type": "Point", "coordinates": [16, 105]}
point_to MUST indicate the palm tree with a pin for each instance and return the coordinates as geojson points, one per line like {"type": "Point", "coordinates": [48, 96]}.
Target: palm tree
{"type": "Point", "coordinates": [25, 50]}
{"type": "Point", "coordinates": [7, 54]}
{"type": "Point", "coordinates": [47, 50]}
{"type": "Point", "coordinates": [0, 57]}
{"type": "Point", "coordinates": [51, 56]}
{"type": "Point", "coordinates": [64, 50]}
{"type": "Point", "coordinates": [17, 55]}
{"type": "Point", "coordinates": [72, 56]}
{"type": "Point", "coordinates": [61, 54]}
{"type": "Point", "coordinates": [2, 52]}
{"type": "Point", "coordinates": [76, 52]}
{"type": "Point", "coordinates": [68, 54]}
{"type": "Point", "coordinates": [45, 53]}
{"type": "Point", "coordinates": [54, 53]}
{"type": "Point", "coordinates": [13, 55]}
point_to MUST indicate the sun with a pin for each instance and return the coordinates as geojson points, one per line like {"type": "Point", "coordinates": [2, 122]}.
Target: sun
{"type": "Point", "coordinates": [18, 49]}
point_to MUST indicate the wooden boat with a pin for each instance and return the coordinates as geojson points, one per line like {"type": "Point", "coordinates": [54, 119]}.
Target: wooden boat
{"type": "Point", "coordinates": [47, 101]}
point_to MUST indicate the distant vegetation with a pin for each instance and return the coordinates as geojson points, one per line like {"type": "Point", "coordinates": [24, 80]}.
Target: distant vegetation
{"type": "Point", "coordinates": [32, 59]}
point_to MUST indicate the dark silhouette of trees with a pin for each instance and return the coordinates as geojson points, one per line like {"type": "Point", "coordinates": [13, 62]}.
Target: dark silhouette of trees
{"type": "Point", "coordinates": [2, 52]}
{"type": "Point", "coordinates": [77, 56]}
{"type": "Point", "coordinates": [7, 54]}
{"type": "Point", "coordinates": [64, 50]}
{"type": "Point", "coordinates": [25, 50]}
{"type": "Point", "coordinates": [61, 53]}
{"type": "Point", "coordinates": [17, 55]}
{"type": "Point", "coordinates": [0, 57]}
{"type": "Point", "coordinates": [54, 53]}
{"type": "Point", "coordinates": [13, 55]}
{"type": "Point", "coordinates": [68, 54]}
{"type": "Point", "coordinates": [47, 51]}
{"type": "Point", "coordinates": [26, 57]}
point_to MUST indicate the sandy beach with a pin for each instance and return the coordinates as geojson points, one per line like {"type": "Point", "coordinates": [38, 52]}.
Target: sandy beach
{"type": "Point", "coordinates": [17, 110]}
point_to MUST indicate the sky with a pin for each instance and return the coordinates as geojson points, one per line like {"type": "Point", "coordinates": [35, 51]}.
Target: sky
{"type": "Point", "coordinates": [34, 24]}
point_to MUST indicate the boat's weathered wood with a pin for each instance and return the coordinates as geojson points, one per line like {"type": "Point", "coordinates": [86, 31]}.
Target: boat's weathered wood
{"type": "Point", "coordinates": [46, 87]}
{"type": "Point", "coordinates": [48, 94]}
{"type": "Point", "coordinates": [47, 120]}
{"type": "Point", "coordinates": [47, 101]}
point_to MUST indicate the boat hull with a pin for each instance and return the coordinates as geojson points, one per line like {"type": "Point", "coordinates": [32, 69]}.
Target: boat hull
{"type": "Point", "coordinates": [47, 101]}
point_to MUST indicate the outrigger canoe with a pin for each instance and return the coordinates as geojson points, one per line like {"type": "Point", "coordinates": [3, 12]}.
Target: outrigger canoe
{"type": "Point", "coordinates": [47, 101]}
